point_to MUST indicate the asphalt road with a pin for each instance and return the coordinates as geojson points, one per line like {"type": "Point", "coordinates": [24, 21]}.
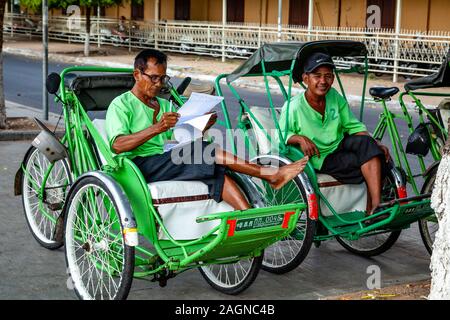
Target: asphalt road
{"type": "Point", "coordinates": [29, 271]}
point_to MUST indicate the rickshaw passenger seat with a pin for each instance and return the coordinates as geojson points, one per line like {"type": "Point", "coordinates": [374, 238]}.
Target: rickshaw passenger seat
{"type": "Point", "coordinates": [95, 92]}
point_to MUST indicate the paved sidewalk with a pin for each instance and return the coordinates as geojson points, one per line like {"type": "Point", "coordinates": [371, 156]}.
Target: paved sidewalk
{"type": "Point", "coordinates": [185, 65]}
{"type": "Point", "coordinates": [16, 110]}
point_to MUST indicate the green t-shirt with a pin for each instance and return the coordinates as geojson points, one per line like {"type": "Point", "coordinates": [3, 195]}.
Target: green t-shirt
{"type": "Point", "coordinates": [127, 114]}
{"type": "Point", "coordinates": [327, 132]}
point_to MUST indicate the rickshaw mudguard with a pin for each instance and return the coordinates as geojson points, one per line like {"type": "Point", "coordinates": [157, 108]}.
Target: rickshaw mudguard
{"type": "Point", "coordinates": [431, 168]}
{"type": "Point", "coordinates": [18, 178]}
{"type": "Point", "coordinates": [125, 211]}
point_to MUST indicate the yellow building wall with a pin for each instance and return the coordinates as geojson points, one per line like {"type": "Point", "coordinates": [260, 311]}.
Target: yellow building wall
{"type": "Point", "coordinates": [272, 12]}
{"type": "Point", "coordinates": [149, 10]}
{"type": "Point", "coordinates": [414, 15]}
{"type": "Point", "coordinates": [326, 13]}
{"type": "Point", "coordinates": [199, 10]}
{"type": "Point", "coordinates": [111, 12]}
{"type": "Point", "coordinates": [252, 11]}
{"type": "Point", "coordinates": [124, 10]}
{"type": "Point", "coordinates": [353, 13]}
{"type": "Point", "coordinates": [167, 10]}
{"type": "Point", "coordinates": [215, 10]}
{"type": "Point", "coordinates": [439, 15]}
{"type": "Point", "coordinates": [263, 11]}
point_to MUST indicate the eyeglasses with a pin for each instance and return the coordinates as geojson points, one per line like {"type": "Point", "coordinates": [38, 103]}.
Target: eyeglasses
{"type": "Point", "coordinates": [164, 79]}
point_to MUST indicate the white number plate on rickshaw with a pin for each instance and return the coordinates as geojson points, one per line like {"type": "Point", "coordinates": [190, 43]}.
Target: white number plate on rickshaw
{"type": "Point", "coordinates": [259, 222]}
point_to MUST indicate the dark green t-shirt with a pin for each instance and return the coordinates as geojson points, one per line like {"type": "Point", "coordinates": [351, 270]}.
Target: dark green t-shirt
{"type": "Point", "coordinates": [326, 132]}
{"type": "Point", "coordinates": [127, 114]}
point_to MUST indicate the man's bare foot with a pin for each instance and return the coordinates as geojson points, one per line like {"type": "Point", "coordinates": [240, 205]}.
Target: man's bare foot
{"type": "Point", "coordinates": [379, 218]}
{"type": "Point", "coordinates": [287, 173]}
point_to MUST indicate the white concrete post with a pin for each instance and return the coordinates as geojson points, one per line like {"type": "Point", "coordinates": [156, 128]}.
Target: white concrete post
{"type": "Point", "coordinates": [45, 58]}
{"type": "Point", "coordinates": [280, 12]}
{"type": "Point", "coordinates": [224, 21]}
{"type": "Point", "coordinates": [398, 23]}
{"type": "Point", "coordinates": [155, 33]}
{"type": "Point", "coordinates": [310, 18]}
{"type": "Point", "coordinates": [12, 18]}
{"type": "Point", "coordinates": [98, 26]}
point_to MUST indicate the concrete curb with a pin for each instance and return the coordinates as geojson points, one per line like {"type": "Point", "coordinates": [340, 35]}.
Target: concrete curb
{"type": "Point", "coordinates": [16, 135]}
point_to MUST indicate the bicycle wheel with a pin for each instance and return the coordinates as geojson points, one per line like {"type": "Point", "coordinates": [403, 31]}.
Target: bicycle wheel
{"type": "Point", "coordinates": [375, 244]}
{"type": "Point", "coordinates": [428, 226]}
{"type": "Point", "coordinates": [42, 206]}
{"type": "Point", "coordinates": [100, 264]}
{"type": "Point", "coordinates": [232, 278]}
{"type": "Point", "coordinates": [288, 253]}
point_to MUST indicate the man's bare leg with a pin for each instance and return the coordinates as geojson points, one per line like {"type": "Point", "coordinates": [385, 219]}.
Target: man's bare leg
{"type": "Point", "coordinates": [369, 201]}
{"type": "Point", "coordinates": [233, 195]}
{"type": "Point", "coordinates": [371, 171]}
{"type": "Point", "coordinates": [277, 177]}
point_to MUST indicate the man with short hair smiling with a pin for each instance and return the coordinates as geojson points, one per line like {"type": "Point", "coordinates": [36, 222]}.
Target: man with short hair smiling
{"type": "Point", "coordinates": [321, 123]}
{"type": "Point", "coordinates": [139, 122]}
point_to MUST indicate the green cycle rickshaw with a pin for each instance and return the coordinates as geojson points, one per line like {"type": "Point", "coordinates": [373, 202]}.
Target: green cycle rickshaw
{"type": "Point", "coordinates": [334, 210]}
{"type": "Point", "coordinates": [114, 225]}
{"type": "Point", "coordinates": [427, 138]}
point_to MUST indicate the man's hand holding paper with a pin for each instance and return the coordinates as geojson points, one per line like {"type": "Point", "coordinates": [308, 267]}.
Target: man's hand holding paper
{"type": "Point", "coordinates": [195, 117]}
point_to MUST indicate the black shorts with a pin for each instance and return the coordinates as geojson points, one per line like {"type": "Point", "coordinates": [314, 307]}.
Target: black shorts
{"type": "Point", "coordinates": [344, 164]}
{"type": "Point", "coordinates": [184, 163]}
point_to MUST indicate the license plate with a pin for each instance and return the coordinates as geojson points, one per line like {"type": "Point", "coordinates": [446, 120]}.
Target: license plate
{"type": "Point", "coordinates": [259, 222]}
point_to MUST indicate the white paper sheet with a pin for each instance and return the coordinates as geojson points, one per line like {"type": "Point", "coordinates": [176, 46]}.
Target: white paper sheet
{"type": "Point", "coordinates": [193, 119]}
{"type": "Point", "coordinates": [197, 105]}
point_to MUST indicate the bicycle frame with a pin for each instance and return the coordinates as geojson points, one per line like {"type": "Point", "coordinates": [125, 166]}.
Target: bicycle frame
{"type": "Point", "coordinates": [387, 122]}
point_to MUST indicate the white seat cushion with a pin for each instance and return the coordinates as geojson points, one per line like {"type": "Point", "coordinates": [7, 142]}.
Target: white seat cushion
{"type": "Point", "coordinates": [342, 197]}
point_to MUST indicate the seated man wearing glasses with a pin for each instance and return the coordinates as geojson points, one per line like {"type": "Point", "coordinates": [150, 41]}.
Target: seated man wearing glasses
{"type": "Point", "coordinates": [139, 122]}
{"type": "Point", "coordinates": [321, 123]}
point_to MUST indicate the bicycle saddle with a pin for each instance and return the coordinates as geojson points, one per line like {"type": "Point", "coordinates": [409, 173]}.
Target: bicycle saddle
{"type": "Point", "coordinates": [383, 92]}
